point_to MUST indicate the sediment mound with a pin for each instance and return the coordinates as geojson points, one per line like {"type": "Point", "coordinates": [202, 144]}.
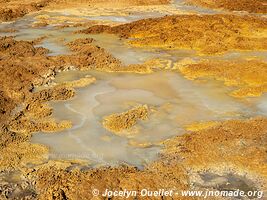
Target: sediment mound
{"type": "Point", "coordinates": [248, 75]}
{"type": "Point", "coordinates": [12, 9]}
{"type": "Point", "coordinates": [207, 34]}
{"type": "Point", "coordinates": [252, 6]}
{"type": "Point", "coordinates": [124, 121]}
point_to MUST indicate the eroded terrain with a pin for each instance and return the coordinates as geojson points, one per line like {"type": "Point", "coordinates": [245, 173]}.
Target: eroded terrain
{"type": "Point", "coordinates": [95, 96]}
{"type": "Point", "coordinates": [252, 6]}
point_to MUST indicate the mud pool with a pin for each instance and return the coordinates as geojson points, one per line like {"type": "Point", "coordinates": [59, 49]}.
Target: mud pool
{"type": "Point", "coordinates": [174, 102]}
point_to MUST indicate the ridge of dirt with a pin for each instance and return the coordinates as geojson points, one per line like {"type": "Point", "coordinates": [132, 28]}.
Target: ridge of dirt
{"type": "Point", "coordinates": [12, 9]}
{"type": "Point", "coordinates": [207, 34]}
{"type": "Point", "coordinates": [122, 121]}
{"type": "Point", "coordinates": [251, 6]}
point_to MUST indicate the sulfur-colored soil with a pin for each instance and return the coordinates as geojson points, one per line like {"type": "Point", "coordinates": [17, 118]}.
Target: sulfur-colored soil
{"type": "Point", "coordinates": [87, 56]}
{"type": "Point", "coordinates": [200, 125]}
{"type": "Point", "coordinates": [237, 147]}
{"type": "Point", "coordinates": [124, 121]}
{"type": "Point", "coordinates": [249, 76]}
{"type": "Point", "coordinates": [207, 34]}
{"type": "Point", "coordinates": [232, 144]}
{"type": "Point", "coordinates": [252, 6]}
{"type": "Point", "coordinates": [12, 9]}
{"type": "Point", "coordinates": [23, 111]}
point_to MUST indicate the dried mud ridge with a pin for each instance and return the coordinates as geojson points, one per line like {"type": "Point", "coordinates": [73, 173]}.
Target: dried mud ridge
{"type": "Point", "coordinates": [124, 121]}
{"type": "Point", "coordinates": [207, 34]}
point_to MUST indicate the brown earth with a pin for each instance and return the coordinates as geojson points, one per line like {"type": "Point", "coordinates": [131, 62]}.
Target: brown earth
{"type": "Point", "coordinates": [252, 6]}
{"type": "Point", "coordinates": [13, 9]}
{"type": "Point", "coordinates": [249, 76]}
{"type": "Point", "coordinates": [207, 34]}
{"type": "Point", "coordinates": [23, 111]}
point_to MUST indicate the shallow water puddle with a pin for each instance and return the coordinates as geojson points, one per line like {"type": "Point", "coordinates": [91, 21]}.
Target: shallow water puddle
{"type": "Point", "coordinates": [174, 102]}
{"type": "Point", "coordinates": [182, 5]}
{"type": "Point", "coordinates": [133, 55]}
{"type": "Point", "coordinates": [127, 18]}
{"type": "Point", "coordinates": [56, 39]}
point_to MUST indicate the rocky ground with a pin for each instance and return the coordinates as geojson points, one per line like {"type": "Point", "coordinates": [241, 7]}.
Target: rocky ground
{"type": "Point", "coordinates": [236, 147]}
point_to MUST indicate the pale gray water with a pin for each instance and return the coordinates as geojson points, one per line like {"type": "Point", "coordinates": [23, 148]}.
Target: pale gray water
{"type": "Point", "coordinates": [176, 102]}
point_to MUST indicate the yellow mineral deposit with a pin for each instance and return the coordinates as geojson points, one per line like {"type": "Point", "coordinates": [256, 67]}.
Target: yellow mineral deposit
{"type": "Point", "coordinates": [143, 95]}
{"type": "Point", "coordinates": [120, 121]}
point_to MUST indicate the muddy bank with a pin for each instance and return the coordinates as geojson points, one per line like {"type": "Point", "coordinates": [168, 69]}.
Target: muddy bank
{"type": "Point", "coordinates": [88, 56]}
{"type": "Point", "coordinates": [22, 112]}
{"type": "Point", "coordinates": [234, 147]}
{"type": "Point", "coordinates": [207, 34]}
{"type": "Point", "coordinates": [251, 6]}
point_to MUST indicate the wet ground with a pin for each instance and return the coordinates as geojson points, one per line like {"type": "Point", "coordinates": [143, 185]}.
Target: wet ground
{"type": "Point", "coordinates": [174, 102]}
